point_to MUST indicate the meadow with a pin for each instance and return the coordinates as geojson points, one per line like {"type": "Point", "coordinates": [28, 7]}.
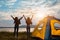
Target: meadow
{"type": "Point", "coordinates": [9, 36]}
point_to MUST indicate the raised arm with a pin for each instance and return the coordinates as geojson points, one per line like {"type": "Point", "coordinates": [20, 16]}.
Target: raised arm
{"type": "Point", "coordinates": [24, 17]}
{"type": "Point", "coordinates": [31, 17]}
{"type": "Point", "coordinates": [12, 16]}
{"type": "Point", "coordinates": [21, 18]}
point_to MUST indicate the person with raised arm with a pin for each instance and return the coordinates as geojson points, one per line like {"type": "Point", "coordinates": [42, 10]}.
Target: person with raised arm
{"type": "Point", "coordinates": [16, 25]}
{"type": "Point", "coordinates": [28, 22]}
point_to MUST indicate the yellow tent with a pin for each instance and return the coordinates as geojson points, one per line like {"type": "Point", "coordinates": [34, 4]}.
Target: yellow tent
{"type": "Point", "coordinates": [47, 29]}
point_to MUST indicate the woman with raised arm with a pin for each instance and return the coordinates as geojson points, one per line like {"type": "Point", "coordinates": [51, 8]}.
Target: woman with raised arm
{"type": "Point", "coordinates": [28, 22]}
{"type": "Point", "coordinates": [16, 22]}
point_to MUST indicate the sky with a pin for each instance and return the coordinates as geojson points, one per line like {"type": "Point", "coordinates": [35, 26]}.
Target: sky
{"type": "Point", "coordinates": [38, 8]}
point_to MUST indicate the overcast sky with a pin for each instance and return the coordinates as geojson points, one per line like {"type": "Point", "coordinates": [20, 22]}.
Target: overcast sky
{"type": "Point", "coordinates": [38, 8]}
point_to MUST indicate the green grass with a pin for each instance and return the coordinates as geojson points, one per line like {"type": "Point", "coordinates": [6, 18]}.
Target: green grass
{"type": "Point", "coordinates": [9, 36]}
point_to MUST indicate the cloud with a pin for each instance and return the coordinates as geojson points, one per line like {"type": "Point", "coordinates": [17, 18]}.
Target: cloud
{"type": "Point", "coordinates": [0, 5]}
{"type": "Point", "coordinates": [6, 23]}
{"type": "Point", "coordinates": [12, 5]}
{"type": "Point", "coordinates": [28, 7]}
{"type": "Point", "coordinates": [10, 2]}
{"type": "Point", "coordinates": [38, 3]}
{"type": "Point", "coordinates": [7, 4]}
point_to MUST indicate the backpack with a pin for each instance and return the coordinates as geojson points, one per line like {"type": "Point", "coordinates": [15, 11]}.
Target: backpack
{"type": "Point", "coordinates": [17, 22]}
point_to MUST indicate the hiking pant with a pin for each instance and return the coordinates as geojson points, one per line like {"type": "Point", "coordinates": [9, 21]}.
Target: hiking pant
{"type": "Point", "coordinates": [16, 28]}
{"type": "Point", "coordinates": [28, 32]}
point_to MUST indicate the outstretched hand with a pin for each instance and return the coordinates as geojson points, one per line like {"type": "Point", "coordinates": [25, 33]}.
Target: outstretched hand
{"type": "Point", "coordinates": [23, 15]}
{"type": "Point", "coordinates": [11, 16]}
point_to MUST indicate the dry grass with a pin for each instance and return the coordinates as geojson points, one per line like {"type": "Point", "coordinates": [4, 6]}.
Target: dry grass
{"type": "Point", "coordinates": [9, 36]}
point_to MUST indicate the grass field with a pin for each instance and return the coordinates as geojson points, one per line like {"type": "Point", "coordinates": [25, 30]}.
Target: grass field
{"type": "Point", "coordinates": [9, 36]}
{"type": "Point", "coordinates": [21, 36]}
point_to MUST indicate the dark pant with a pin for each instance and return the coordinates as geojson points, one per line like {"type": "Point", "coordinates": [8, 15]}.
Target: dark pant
{"type": "Point", "coordinates": [16, 28]}
{"type": "Point", "coordinates": [28, 32]}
